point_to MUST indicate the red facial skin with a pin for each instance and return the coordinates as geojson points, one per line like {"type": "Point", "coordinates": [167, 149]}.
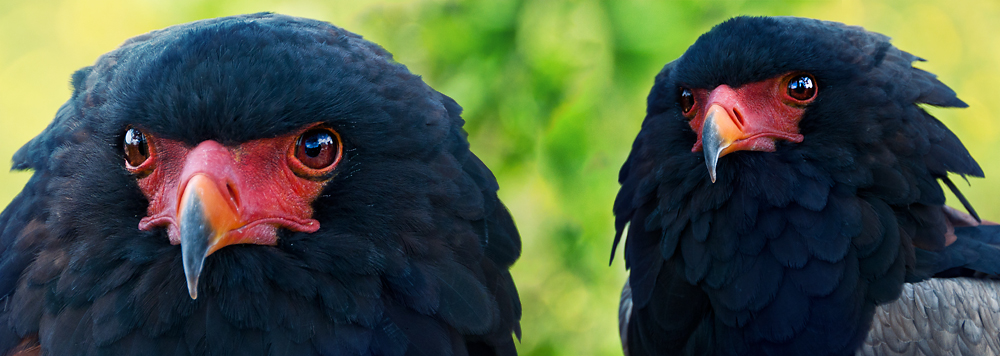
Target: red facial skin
{"type": "Point", "coordinates": [259, 187]}
{"type": "Point", "coordinates": [757, 114]}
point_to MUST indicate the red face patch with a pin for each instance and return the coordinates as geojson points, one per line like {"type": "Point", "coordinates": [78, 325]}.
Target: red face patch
{"type": "Point", "coordinates": [266, 183]}
{"type": "Point", "coordinates": [758, 113]}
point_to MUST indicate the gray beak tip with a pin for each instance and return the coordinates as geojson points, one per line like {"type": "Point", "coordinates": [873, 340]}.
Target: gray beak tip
{"type": "Point", "coordinates": [712, 145]}
{"type": "Point", "coordinates": [193, 288]}
{"type": "Point", "coordinates": [195, 231]}
{"type": "Point", "coordinates": [191, 273]}
{"type": "Point", "coordinates": [712, 160]}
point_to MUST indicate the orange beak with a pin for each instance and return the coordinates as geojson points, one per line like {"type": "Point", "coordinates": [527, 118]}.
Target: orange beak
{"type": "Point", "coordinates": [718, 133]}
{"type": "Point", "coordinates": [206, 215]}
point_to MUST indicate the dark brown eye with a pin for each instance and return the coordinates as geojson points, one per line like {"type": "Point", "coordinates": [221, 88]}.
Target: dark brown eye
{"type": "Point", "coordinates": [686, 99]}
{"type": "Point", "coordinates": [802, 87]}
{"type": "Point", "coordinates": [318, 148]}
{"type": "Point", "coordinates": [136, 148]}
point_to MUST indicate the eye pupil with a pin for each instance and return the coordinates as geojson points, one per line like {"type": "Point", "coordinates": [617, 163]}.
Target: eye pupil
{"type": "Point", "coordinates": [317, 149]}
{"type": "Point", "coordinates": [686, 100]}
{"type": "Point", "coordinates": [314, 144]}
{"type": "Point", "coordinates": [802, 87]}
{"type": "Point", "coordinates": [136, 147]}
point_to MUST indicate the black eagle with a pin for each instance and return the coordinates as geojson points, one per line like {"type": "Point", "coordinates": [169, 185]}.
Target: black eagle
{"type": "Point", "coordinates": [785, 184]}
{"type": "Point", "coordinates": [255, 185]}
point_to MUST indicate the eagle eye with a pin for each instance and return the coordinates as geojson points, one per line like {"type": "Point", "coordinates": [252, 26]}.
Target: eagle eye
{"type": "Point", "coordinates": [802, 87]}
{"type": "Point", "coordinates": [317, 151]}
{"type": "Point", "coordinates": [686, 99]}
{"type": "Point", "coordinates": [136, 148]}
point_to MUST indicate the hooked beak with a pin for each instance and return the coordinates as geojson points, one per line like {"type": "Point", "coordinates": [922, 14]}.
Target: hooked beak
{"type": "Point", "coordinates": [206, 215]}
{"type": "Point", "coordinates": [718, 133]}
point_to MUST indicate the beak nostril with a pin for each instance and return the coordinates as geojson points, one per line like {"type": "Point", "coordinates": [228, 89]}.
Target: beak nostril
{"type": "Point", "coordinates": [233, 194]}
{"type": "Point", "coordinates": [739, 118]}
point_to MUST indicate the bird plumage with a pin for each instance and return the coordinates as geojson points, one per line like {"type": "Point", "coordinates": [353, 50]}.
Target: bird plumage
{"type": "Point", "coordinates": [792, 248]}
{"type": "Point", "coordinates": [414, 246]}
{"type": "Point", "coordinates": [939, 316]}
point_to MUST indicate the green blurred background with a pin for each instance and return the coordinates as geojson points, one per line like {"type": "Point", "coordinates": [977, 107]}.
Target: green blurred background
{"type": "Point", "coordinates": [553, 90]}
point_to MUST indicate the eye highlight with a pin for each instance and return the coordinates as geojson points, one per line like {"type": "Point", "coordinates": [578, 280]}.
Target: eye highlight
{"type": "Point", "coordinates": [316, 152]}
{"type": "Point", "coordinates": [686, 100]}
{"type": "Point", "coordinates": [136, 148]}
{"type": "Point", "coordinates": [801, 87]}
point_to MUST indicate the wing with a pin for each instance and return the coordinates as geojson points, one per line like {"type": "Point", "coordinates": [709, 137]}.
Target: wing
{"type": "Point", "coordinates": [624, 315]}
{"type": "Point", "coordinates": [954, 316]}
{"type": "Point", "coordinates": [660, 326]}
{"type": "Point", "coordinates": [22, 235]}
{"type": "Point", "coordinates": [502, 246]}
{"type": "Point", "coordinates": [478, 300]}
{"type": "Point", "coordinates": [23, 230]}
{"type": "Point", "coordinates": [972, 247]}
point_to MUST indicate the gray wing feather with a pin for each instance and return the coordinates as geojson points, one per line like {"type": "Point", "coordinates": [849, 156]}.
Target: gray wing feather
{"type": "Point", "coordinates": [954, 316]}
{"type": "Point", "coordinates": [624, 314]}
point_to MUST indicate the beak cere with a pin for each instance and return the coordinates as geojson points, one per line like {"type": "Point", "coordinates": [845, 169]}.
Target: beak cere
{"type": "Point", "coordinates": [206, 215]}
{"type": "Point", "coordinates": [717, 135]}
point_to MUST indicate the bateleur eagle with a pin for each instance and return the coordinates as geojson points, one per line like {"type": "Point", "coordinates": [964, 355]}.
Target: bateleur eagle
{"type": "Point", "coordinates": [784, 184]}
{"type": "Point", "coordinates": [255, 185]}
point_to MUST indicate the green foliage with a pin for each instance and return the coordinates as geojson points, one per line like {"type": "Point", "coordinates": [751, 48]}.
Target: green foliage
{"type": "Point", "coordinates": [554, 93]}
